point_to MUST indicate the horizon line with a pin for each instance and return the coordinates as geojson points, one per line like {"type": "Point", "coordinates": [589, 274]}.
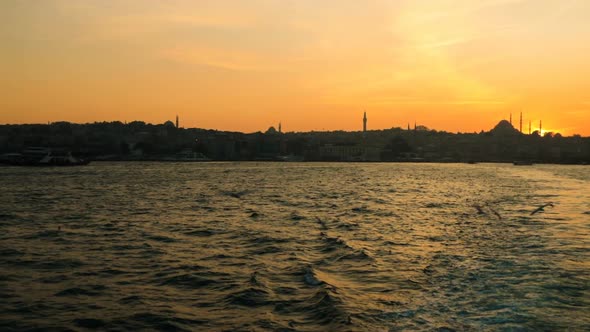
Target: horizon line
{"type": "Point", "coordinates": [285, 132]}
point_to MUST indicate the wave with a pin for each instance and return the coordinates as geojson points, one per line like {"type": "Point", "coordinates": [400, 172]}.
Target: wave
{"type": "Point", "coordinates": [161, 322]}
{"type": "Point", "coordinates": [8, 216]}
{"type": "Point", "coordinates": [89, 323]}
{"type": "Point", "coordinates": [134, 299]}
{"type": "Point", "coordinates": [348, 226]}
{"type": "Point", "coordinates": [296, 217]}
{"type": "Point", "coordinates": [48, 234]}
{"type": "Point", "coordinates": [310, 277]}
{"type": "Point", "coordinates": [160, 238]}
{"type": "Point", "coordinates": [360, 209]}
{"type": "Point", "coordinates": [95, 290]}
{"type": "Point", "coordinates": [60, 264]}
{"type": "Point", "coordinates": [357, 255]}
{"type": "Point", "coordinates": [10, 252]}
{"type": "Point", "coordinates": [335, 243]}
{"type": "Point", "coordinates": [236, 193]}
{"type": "Point", "coordinates": [201, 232]}
{"type": "Point", "coordinates": [325, 308]}
{"type": "Point", "coordinates": [267, 249]}
{"type": "Point", "coordinates": [187, 281]}
{"type": "Point", "coordinates": [330, 256]}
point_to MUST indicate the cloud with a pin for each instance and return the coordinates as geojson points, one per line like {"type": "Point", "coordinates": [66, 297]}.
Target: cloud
{"type": "Point", "coordinates": [220, 58]}
{"type": "Point", "coordinates": [402, 101]}
{"type": "Point", "coordinates": [447, 42]}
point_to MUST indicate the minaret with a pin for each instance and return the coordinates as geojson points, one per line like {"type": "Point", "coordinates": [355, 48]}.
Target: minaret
{"type": "Point", "coordinates": [365, 123]}
{"type": "Point", "coordinates": [530, 126]}
{"type": "Point", "coordinates": [540, 128]}
{"type": "Point", "coordinates": [177, 121]}
{"type": "Point", "coordinates": [521, 122]}
{"type": "Point", "coordinates": [280, 129]}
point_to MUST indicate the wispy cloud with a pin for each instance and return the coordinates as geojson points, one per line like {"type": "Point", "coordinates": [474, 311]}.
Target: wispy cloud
{"type": "Point", "coordinates": [220, 58]}
{"type": "Point", "coordinates": [401, 101]}
{"type": "Point", "coordinates": [447, 42]}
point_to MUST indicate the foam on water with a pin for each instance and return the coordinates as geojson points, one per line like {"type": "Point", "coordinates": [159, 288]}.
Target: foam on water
{"type": "Point", "coordinates": [295, 247]}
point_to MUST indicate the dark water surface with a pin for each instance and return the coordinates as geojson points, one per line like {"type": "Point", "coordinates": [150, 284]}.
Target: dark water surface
{"type": "Point", "coordinates": [295, 247]}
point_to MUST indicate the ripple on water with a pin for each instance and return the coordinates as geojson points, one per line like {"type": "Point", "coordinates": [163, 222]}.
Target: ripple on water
{"type": "Point", "coordinates": [91, 290]}
{"type": "Point", "coordinates": [89, 323]}
{"type": "Point", "coordinates": [292, 247]}
{"type": "Point", "coordinates": [187, 281]}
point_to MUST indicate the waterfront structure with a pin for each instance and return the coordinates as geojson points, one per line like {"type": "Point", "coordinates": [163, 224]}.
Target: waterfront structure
{"type": "Point", "coordinates": [141, 141]}
{"type": "Point", "coordinates": [341, 152]}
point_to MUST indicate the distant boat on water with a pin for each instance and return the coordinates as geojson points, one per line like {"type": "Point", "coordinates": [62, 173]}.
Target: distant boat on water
{"type": "Point", "coordinates": [186, 156]}
{"type": "Point", "coordinates": [522, 163]}
{"type": "Point", "coordinates": [40, 156]}
{"type": "Point", "coordinates": [290, 158]}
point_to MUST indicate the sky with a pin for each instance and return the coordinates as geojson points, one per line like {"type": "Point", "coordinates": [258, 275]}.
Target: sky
{"type": "Point", "coordinates": [453, 65]}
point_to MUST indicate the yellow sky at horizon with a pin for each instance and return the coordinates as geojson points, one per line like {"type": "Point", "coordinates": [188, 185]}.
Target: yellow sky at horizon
{"type": "Point", "coordinates": [454, 65]}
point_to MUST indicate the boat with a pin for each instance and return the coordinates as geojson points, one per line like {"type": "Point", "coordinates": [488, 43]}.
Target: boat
{"type": "Point", "coordinates": [522, 163]}
{"type": "Point", "coordinates": [40, 156]}
{"type": "Point", "coordinates": [186, 155]}
{"type": "Point", "coordinates": [10, 158]}
{"type": "Point", "coordinates": [290, 158]}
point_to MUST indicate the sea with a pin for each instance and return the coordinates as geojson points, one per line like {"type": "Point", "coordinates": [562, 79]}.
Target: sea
{"type": "Point", "coordinates": [249, 246]}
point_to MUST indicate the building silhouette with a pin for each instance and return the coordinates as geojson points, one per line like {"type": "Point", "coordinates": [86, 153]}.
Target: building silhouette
{"type": "Point", "coordinates": [138, 140]}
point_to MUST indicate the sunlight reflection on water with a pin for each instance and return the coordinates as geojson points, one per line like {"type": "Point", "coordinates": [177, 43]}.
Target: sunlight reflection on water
{"type": "Point", "coordinates": [305, 247]}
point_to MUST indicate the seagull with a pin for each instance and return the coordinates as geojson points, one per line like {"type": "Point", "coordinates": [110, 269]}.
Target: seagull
{"type": "Point", "coordinates": [494, 212]}
{"type": "Point", "coordinates": [542, 208]}
{"type": "Point", "coordinates": [322, 223]}
{"type": "Point", "coordinates": [479, 209]}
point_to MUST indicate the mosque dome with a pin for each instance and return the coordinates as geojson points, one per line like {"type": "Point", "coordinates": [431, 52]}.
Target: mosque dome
{"type": "Point", "coordinates": [504, 128]}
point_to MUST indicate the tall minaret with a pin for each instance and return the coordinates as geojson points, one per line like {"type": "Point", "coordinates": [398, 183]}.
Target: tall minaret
{"type": "Point", "coordinates": [521, 122]}
{"type": "Point", "coordinates": [177, 121]}
{"type": "Point", "coordinates": [530, 126]}
{"type": "Point", "coordinates": [540, 128]}
{"type": "Point", "coordinates": [280, 129]}
{"type": "Point", "coordinates": [365, 123]}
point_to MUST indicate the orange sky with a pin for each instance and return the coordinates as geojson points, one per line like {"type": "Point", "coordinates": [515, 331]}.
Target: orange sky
{"type": "Point", "coordinates": [455, 65]}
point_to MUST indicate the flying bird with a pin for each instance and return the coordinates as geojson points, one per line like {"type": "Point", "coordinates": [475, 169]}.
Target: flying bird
{"type": "Point", "coordinates": [494, 212]}
{"type": "Point", "coordinates": [542, 208]}
{"type": "Point", "coordinates": [479, 209]}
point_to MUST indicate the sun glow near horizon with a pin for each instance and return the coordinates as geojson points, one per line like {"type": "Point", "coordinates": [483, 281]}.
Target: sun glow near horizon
{"type": "Point", "coordinates": [245, 65]}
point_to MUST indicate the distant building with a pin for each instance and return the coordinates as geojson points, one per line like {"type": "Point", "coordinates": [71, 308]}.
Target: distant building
{"type": "Point", "coordinates": [504, 128]}
{"type": "Point", "coordinates": [331, 152]}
